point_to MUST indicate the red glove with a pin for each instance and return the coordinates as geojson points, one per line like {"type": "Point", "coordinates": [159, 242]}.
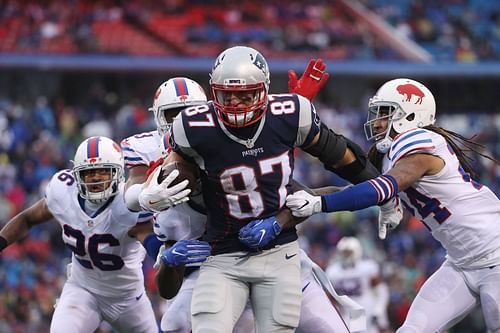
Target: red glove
{"type": "Point", "coordinates": [153, 165]}
{"type": "Point", "coordinates": [311, 82]}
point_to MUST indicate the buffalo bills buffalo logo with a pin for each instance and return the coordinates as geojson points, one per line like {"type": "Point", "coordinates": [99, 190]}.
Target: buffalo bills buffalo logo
{"type": "Point", "coordinates": [408, 90]}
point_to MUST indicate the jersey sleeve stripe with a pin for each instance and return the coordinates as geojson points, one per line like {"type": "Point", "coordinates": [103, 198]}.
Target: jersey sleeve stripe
{"type": "Point", "coordinates": [409, 133]}
{"type": "Point", "coordinates": [377, 189]}
{"type": "Point", "coordinates": [412, 150]}
{"type": "Point", "coordinates": [128, 149]}
{"type": "Point", "coordinates": [406, 135]}
{"type": "Point", "coordinates": [148, 214]}
{"type": "Point", "coordinates": [180, 137]}
{"type": "Point", "coordinates": [144, 217]}
{"type": "Point", "coordinates": [305, 120]}
{"type": "Point", "coordinates": [413, 145]}
{"type": "Point", "coordinates": [133, 159]}
{"type": "Point", "coordinates": [384, 188]}
{"type": "Point", "coordinates": [130, 165]}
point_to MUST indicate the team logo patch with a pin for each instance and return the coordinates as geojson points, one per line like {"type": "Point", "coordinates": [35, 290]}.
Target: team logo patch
{"type": "Point", "coordinates": [408, 90]}
{"type": "Point", "coordinates": [260, 62]}
{"type": "Point", "coordinates": [218, 61]}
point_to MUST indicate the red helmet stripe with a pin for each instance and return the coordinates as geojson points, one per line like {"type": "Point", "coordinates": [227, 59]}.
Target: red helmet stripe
{"type": "Point", "coordinates": [181, 87]}
{"type": "Point", "coordinates": [93, 147]}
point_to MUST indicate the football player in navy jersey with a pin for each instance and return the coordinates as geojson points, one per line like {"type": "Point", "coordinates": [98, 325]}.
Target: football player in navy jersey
{"type": "Point", "coordinates": [243, 144]}
{"type": "Point", "coordinates": [184, 223]}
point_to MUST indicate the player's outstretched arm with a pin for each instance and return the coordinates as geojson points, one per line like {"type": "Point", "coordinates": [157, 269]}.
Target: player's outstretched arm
{"type": "Point", "coordinates": [376, 191]}
{"type": "Point", "coordinates": [20, 224]}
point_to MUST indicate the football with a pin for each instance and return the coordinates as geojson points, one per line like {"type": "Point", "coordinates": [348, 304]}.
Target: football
{"type": "Point", "coordinates": [186, 171]}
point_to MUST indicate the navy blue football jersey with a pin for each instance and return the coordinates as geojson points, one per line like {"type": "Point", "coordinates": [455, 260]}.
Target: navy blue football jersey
{"type": "Point", "coordinates": [246, 172]}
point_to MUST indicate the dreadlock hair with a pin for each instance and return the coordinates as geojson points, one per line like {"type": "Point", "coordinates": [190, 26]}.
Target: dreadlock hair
{"type": "Point", "coordinates": [455, 140]}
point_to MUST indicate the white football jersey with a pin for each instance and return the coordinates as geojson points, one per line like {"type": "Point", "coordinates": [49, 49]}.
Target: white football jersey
{"type": "Point", "coordinates": [460, 213]}
{"type": "Point", "coordinates": [141, 149]}
{"type": "Point", "coordinates": [179, 222]}
{"type": "Point", "coordinates": [355, 281]}
{"type": "Point", "coordinates": [105, 260]}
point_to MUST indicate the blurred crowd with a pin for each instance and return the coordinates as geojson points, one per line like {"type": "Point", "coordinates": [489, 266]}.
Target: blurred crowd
{"type": "Point", "coordinates": [450, 30]}
{"type": "Point", "coordinates": [39, 137]}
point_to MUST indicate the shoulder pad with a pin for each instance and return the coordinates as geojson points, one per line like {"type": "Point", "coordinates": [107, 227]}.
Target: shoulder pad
{"type": "Point", "coordinates": [416, 140]}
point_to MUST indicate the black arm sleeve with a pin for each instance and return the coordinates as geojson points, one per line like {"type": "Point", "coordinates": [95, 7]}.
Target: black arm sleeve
{"type": "Point", "coordinates": [331, 148]}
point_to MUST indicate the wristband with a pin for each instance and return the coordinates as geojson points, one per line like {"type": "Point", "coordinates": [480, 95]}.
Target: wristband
{"type": "Point", "coordinates": [152, 245]}
{"type": "Point", "coordinates": [364, 195]}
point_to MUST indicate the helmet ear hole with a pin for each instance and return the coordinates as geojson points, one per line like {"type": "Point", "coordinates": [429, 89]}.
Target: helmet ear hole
{"type": "Point", "coordinates": [410, 117]}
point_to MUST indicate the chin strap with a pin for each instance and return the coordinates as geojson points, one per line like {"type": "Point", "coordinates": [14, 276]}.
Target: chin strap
{"type": "Point", "coordinates": [384, 145]}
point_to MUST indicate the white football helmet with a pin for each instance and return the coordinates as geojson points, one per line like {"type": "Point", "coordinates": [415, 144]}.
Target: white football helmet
{"type": "Point", "coordinates": [98, 152]}
{"type": "Point", "coordinates": [241, 71]}
{"type": "Point", "coordinates": [171, 97]}
{"type": "Point", "coordinates": [405, 104]}
{"type": "Point", "coordinates": [350, 250]}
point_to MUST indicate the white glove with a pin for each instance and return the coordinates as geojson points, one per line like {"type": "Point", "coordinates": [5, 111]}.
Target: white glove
{"type": "Point", "coordinates": [158, 197]}
{"type": "Point", "coordinates": [391, 213]}
{"type": "Point", "coordinates": [303, 204]}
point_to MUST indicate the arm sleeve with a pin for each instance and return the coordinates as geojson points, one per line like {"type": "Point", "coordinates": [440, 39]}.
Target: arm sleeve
{"type": "Point", "coordinates": [364, 195]}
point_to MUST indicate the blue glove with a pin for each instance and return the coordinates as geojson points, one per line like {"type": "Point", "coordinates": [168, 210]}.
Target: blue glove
{"type": "Point", "coordinates": [186, 253]}
{"type": "Point", "coordinates": [259, 233]}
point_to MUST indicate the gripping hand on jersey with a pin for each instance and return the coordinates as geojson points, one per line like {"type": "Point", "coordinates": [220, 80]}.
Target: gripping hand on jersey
{"type": "Point", "coordinates": [157, 197]}
{"type": "Point", "coordinates": [391, 213]}
{"type": "Point", "coordinates": [186, 253]}
{"type": "Point", "coordinates": [311, 82]}
{"type": "Point", "coordinates": [259, 233]}
{"type": "Point", "coordinates": [303, 204]}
